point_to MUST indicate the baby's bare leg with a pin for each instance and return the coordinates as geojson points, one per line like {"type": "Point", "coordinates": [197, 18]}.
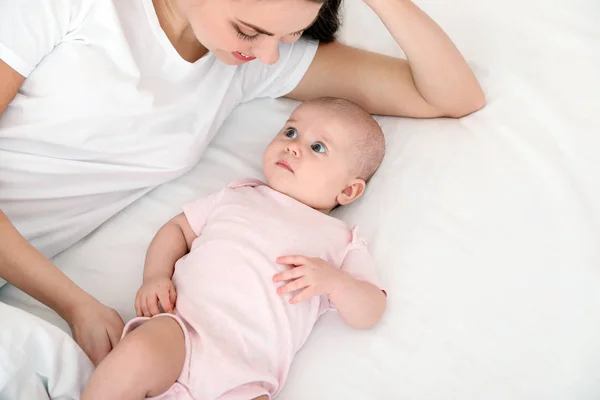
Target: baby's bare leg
{"type": "Point", "coordinates": [145, 363]}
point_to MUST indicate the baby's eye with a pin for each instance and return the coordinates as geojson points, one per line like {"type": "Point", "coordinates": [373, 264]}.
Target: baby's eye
{"type": "Point", "coordinates": [318, 147]}
{"type": "Point", "coordinates": [291, 133]}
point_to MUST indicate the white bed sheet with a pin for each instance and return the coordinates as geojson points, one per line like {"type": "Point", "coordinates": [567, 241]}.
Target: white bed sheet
{"type": "Point", "coordinates": [38, 360]}
{"type": "Point", "coordinates": [486, 230]}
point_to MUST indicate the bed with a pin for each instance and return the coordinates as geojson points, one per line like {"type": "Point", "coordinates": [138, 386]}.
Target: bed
{"type": "Point", "coordinates": [486, 230]}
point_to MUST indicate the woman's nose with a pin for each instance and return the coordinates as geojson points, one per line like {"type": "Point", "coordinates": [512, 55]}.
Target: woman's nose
{"type": "Point", "coordinates": [268, 51]}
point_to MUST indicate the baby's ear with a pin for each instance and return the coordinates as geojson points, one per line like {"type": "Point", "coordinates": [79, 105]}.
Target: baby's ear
{"type": "Point", "coordinates": [351, 192]}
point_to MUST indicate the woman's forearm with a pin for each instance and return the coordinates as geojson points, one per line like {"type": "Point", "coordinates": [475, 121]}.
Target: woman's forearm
{"type": "Point", "coordinates": [439, 71]}
{"type": "Point", "coordinates": [26, 268]}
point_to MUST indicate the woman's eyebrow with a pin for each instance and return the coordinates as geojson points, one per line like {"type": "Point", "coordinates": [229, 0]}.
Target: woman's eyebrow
{"type": "Point", "coordinates": [260, 30]}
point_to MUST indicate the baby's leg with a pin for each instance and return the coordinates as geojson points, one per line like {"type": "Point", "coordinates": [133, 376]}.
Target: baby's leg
{"type": "Point", "coordinates": [145, 363]}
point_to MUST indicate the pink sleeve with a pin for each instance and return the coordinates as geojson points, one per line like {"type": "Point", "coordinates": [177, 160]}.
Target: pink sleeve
{"type": "Point", "coordinates": [359, 263]}
{"type": "Point", "coordinates": [198, 210]}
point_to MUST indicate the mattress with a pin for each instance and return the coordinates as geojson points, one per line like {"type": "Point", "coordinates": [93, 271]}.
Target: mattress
{"type": "Point", "coordinates": [485, 230]}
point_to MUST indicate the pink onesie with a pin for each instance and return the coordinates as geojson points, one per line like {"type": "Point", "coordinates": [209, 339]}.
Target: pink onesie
{"type": "Point", "coordinates": [241, 336]}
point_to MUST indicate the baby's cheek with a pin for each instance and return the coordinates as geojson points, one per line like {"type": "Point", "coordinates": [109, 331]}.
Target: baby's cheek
{"type": "Point", "coordinates": [324, 193]}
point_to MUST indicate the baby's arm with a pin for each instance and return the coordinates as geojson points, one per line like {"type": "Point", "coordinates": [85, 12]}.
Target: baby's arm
{"type": "Point", "coordinates": [173, 241]}
{"type": "Point", "coordinates": [360, 304]}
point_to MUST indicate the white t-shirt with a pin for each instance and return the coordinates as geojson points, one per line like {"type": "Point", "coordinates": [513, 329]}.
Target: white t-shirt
{"type": "Point", "coordinates": [109, 110]}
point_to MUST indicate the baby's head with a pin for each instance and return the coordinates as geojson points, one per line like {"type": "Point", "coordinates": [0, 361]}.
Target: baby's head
{"type": "Point", "coordinates": [324, 155]}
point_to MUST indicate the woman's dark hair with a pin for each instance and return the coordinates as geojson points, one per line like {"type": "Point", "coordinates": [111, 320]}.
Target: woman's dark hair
{"type": "Point", "coordinates": [327, 23]}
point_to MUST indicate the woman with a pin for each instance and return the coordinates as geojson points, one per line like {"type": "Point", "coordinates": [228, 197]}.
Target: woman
{"type": "Point", "coordinates": [100, 101]}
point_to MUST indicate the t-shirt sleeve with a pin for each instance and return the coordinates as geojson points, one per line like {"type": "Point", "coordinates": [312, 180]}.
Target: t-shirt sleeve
{"type": "Point", "coordinates": [30, 29]}
{"type": "Point", "coordinates": [279, 79]}
{"type": "Point", "coordinates": [197, 211]}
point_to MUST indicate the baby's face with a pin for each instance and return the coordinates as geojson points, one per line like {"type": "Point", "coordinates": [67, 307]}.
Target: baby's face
{"type": "Point", "coordinates": [310, 159]}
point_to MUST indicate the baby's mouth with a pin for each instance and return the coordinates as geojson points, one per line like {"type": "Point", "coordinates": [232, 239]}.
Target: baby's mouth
{"type": "Point", "coordinates": [285, 165]}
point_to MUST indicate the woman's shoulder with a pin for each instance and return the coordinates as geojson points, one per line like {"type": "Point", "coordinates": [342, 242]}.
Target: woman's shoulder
{"type": "Point", "coordinates": [43, 20]}
{"type": "Point", "coordinates": [30, 29]}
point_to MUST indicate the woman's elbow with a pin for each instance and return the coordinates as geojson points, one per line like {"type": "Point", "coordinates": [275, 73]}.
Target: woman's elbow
{"type": "Point", "coordinates": [470, 104]}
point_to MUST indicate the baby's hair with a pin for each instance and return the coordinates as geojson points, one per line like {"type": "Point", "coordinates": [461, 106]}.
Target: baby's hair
{"type": "Point", "coordinates": [370, 145]}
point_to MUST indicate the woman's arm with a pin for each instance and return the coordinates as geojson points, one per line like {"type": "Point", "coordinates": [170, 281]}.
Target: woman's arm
{"type": "Point", "coordinates": [10, 82]}
{"type": "Point", "coordinates": [434, 81]}
{"type": "Point", "coordinates": [95, 327]}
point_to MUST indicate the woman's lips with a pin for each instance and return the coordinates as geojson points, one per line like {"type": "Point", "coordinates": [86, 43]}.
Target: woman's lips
{"type": "Point", "coordinates": [242, 56]}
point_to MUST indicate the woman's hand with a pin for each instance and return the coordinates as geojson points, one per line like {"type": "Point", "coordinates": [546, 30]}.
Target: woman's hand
{"type": "Point", "coordinates": [151, 292]}
{"type": "Point", "coordinates": [96, 329]}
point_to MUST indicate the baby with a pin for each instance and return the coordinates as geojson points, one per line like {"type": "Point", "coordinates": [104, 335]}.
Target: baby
{"type": "Point", "coordinates": [252, 267]}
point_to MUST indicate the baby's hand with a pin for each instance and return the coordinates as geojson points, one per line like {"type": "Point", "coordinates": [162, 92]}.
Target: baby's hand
{"type": "Point", "coordinates": [153, 290]}
{"type": "Point", "coordinates": [315, 276]}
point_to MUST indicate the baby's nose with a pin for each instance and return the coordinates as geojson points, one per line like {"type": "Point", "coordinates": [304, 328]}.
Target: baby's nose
{"type": "Point", "coordinates": [293, 148]}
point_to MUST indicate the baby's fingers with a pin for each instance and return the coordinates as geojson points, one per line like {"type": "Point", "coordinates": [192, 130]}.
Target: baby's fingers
{"type": "Point", "coordinates": [165, 301]}
{"type": "Point", "coordinates": [144, 306]}
{"type": "Point", "coordinates": [292, 260]}
{"type": "Point", "coordinates": [138, 307]}
{"type": "Point", "coordinates": [299, 283]}
{"type": "Point", "coordinates": [173, 296]}
{"type": "Point", "coordinates": [292, 273]}
{"type": "Point", "coordinates": [141, 310]}
{"type": "Point", "coordinates": [153, 305]}
{"type": "Point", "coordinates": [303, 295]}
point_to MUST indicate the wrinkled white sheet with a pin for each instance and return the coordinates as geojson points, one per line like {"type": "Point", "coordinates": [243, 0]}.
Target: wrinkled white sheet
{"type": "Point", "coordinates": [38, 360]}
{"type": "Point", "coordinates": [486, 230]}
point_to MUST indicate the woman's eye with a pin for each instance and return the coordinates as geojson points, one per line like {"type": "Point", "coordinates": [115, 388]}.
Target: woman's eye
{"type": "Point", "coordinates": [291, 38]}
{"type": "Point", "coordinates": [243, 35]}
{"type": "Point", "coordinates": [318, 147]}
{"type": "Point", "coordinates": [291, 133]}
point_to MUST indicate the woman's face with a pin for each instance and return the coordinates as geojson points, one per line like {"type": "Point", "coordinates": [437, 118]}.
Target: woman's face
{"type": "Point", "coordinates": [238, 31]}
